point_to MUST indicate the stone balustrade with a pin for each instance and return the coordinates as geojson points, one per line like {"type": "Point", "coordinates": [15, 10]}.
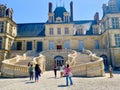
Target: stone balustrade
{"type": "Point", "coordinates": [72, 58]}
{"type": "Point", "coordinates": [89, 69]}
{"type": "Point", "coordinates": [41, 61]}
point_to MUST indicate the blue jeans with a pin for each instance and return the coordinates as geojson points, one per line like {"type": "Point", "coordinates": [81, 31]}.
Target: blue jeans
{"type": "Point", "coordinates": [71, 82]}
{"type": "Point", "coordinates": [36, 75]}
{"type": "Point", "coordinates": [31, 75]}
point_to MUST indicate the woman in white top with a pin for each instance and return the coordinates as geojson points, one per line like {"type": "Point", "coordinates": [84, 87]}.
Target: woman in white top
{"type": "Point", "coordinates": [61, 70]}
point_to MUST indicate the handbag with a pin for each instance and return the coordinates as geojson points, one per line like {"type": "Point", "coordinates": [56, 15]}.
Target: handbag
{"type": "Point", "coordinates": [70, 74]}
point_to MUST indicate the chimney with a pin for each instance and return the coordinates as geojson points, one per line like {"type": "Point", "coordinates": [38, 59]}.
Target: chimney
{"type": "Point", "coordinates": [9, 12]}
{"type": "Point", "coordinates": [96, 17]}
{"type": "Point", "coordinates": [71, 11]}
{"type": "Point", "coordinates": [50, 7]}
{"type": "Point", "coordinates": [104, 9]}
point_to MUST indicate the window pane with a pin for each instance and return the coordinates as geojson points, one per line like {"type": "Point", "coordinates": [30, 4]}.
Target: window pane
{"type": "Point", "coordinates": [51, 31]}
{"type": "Point", "coordinates": [29, 45]}
{"type": "Point", "coordinates": [66, 30]}
{"type": "Point", "coordinates": [67, 45]}
{"type": "Point", "coordinates": [81, 45]}
{"type": "Point", "coordinates": [51, 45]}
{"type": "Point", "coordinates": [117, 40]}
{"type": "Point", "coordinates": [59, 31]}
{"type": "Point", "coordinates": [19, 45]}
{"type": "Point", "coordinates": [115, 22]}
{"type": "Point", "coordinates": [97, 44]}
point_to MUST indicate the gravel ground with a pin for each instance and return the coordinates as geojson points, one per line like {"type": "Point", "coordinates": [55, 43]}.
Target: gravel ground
{"type": "Point", "coordinates": [48, 82]}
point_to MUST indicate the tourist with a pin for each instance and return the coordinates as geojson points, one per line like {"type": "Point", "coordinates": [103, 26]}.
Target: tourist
{"type": "Point", "coordinates": [55, 70]}
{"type": "Point", "coordinates": [68, 75]}
{"type": "Point", "coordinates": [37, 72]}
{"type": "Point", "coordinates": [110, 71]}
{"type": "Point", "coordinates": [31, 72]}
{"type": "Point", "coordinates": [61, 70]}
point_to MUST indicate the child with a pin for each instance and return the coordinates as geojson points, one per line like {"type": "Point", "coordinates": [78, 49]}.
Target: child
{"type": "Point", "coordinates": [31, 71]}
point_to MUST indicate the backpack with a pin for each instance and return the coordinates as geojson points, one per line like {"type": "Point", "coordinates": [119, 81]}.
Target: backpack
{"type": "Point", "coordinates": [31, 69]}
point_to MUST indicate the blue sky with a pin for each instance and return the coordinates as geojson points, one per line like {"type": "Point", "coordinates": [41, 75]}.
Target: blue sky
{"type": "Point", "coordinates": [35, 11]}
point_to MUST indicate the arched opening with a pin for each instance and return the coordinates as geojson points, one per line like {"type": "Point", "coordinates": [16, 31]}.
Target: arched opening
{"type": "Point", "coordinates": [105, 61]}
{"type": "Point", "coordinates": [58, 60]}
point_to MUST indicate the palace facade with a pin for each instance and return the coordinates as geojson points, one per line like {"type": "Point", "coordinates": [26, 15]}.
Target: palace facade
{"type": "Point", "coordinates": [60, 31]}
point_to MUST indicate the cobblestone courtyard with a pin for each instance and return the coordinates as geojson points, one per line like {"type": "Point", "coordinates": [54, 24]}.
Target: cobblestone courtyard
{"type": "Point", "coordinates": [48, 82]}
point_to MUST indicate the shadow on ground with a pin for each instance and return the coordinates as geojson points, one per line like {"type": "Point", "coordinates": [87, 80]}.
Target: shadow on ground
{"type": "Point", "coordinates": [62, 86]}
{"type": "Point", "coordinates": [30, 82]}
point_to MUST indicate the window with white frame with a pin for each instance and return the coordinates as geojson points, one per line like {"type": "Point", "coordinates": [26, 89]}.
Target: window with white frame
{"type": "Point", "coordinates": [51, 31]}
{"type": "Point", "coordinates": [51, 45]}
{"type": "Point", "coordinates": [66, 30]}
{"type": "Point", "coordinates": [117, 40]}
{"type": "Point", "coordinates": [0, 43]}
{"type": "Point", "coordinates": [115, 22]}
{"type": "Point", "coordinates": [67, 45]}
{"type": "Point", "coordinates": [96, 42]}
{"type": "Point", "coordinates": [59, 31]}
{"type": "Point", "coordinates": [81, 45]}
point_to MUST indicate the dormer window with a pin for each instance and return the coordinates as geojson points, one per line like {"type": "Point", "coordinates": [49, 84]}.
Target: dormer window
{"type": "Point", "coordinates": [80, 31]}
{"type": "Point", "coordinates": [51, 17]}
{"type": "Point", "coordinates": [58, 19]}
{"type": "Point", "coordinates": [95, 30]}
{"type": "Point", "coordinates": [66, 17]}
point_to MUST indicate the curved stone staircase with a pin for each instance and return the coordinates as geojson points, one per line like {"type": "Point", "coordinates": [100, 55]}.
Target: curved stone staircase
{"type": "Point", "coordinates": [82, 58]}
{"type": "Point", "coordinates": [80, 63]}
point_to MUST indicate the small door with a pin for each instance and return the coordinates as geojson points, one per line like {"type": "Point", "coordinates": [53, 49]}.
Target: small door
{"type": "Point", "coordinates": [105, 61]}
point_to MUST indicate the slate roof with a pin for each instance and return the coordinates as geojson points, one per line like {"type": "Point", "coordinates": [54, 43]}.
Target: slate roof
{"type": "Point", "coordinates": [59, 12]}
{"type": "Point", "coordinates": [38, 29]}
{"type": "Point", "coordinates": [30, 29]}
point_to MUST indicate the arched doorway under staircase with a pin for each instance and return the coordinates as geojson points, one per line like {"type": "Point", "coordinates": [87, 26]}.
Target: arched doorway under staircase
{"type": "Point", "coordinates": [58, 60]}
{"type": "Point", "coordinates": [105, 61]}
